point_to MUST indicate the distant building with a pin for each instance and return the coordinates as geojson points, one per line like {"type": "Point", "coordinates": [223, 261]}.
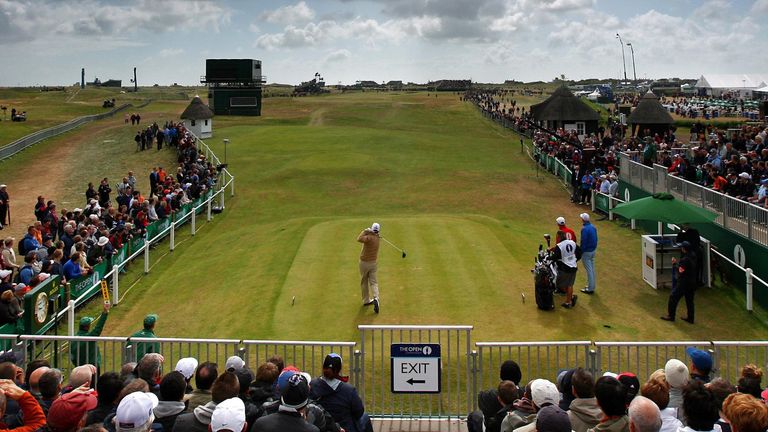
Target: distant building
{"type": "Point", "coordinates": [564, 110]}
{"type": "Point", "coordinates": [234, 86]}
{"type": "Point", "coordinates": [395, 85]}
{"type": "Point", "coordinates": [717, 84]}
{"type": "Point", "coordinates": [368, 84]}
{"type": "Point", "coordinates": [198, 118]}
{"type": "Point", "coordinates": [108, 83]}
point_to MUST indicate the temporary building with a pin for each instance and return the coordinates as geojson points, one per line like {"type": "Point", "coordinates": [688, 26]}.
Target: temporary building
{"type": "Point", "coordinates": [198, 118]}
{"type": "Point", "coordinates": [564, 110]}
{"type": "Point", "coordinates": [717, 84]}
{"type": "Point", "coordinates": [650, 117]}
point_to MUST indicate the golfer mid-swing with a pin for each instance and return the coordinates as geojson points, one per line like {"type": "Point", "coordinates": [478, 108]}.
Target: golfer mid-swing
{"type": "Point", "coordinates": [368, 283]}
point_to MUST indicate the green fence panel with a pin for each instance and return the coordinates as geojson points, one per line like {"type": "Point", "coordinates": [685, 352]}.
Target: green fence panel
{"type": "Point", "coordinates": [80, 286]}
{"type": "Point", "coordinates": [122, 254]}
{"type": "Point", "coordinates": [181, 213]}
{"type": "Point", "coordinates": [135, 244]}
{"type": "Point", "coordinates": [602, 202]}
{"type": "Point", "coordinates": [156, 228]}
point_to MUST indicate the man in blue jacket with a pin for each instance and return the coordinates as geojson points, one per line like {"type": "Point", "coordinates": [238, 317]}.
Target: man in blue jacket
{"type": "Point", "coordinates": [588, 249]}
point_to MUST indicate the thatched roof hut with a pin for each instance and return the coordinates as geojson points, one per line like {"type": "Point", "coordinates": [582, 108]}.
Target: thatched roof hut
{"type": "Point", "coordinates": [650, 115]}
{"type": "Point", "coordinates": [197, 110]}
{"type": "Point", "coordinates": [564, 108]}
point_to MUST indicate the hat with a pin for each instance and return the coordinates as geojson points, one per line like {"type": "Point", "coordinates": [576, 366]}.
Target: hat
{"type": "Point", "coordinates": [685, 244]}
{"type": "Point", "coordinates": [282, 379]}
{"type": "Point", "coordinates": [5, 273]}
{"type": "Point", "coordinates": [700, 358]}
{"type": "Point", "coordinates": [77, 210]}
{"type": "Point", "coordinates": [676, 373]}
{"type": "Point", "coordinates": [295, 393]}
{"type": "Point", "coordinates": [92, 201]}
{"type": "Point", "coordinates": [150, 320]}
{"type": "Point", "coordinates": [630, 383]}
{"type": "Point", "coordinates": [560, 220]}
{"type": "Point", "coordinates": [584, 217]}
{"type": "Point", "coordinates": [186, 366]}
{"type": "Point", "coordinates": [21, 287]}
{"type": "Point", "coordinates": [553, 419]}
{"type": "Point", "coordinates": [103, 240]}
{"type": "Point", "coordinates": [234, 363]}
{"type": "Point", "coordinates": [544, 392]}
{"type": "Point", "coordinates": [135, 410]}
{"type": "Point", "coordinates": [229, 415]}
{"type": "Point", "coordinates": [67, 411]}
{"type": "Point", "coordinates": [86, 321]}
{"type": "Point", "coordinates": [375, 227]}
{"type": "Point", "coordinates": [3, 185]}
{"type": "Point", "coordinates": [745, 176]}
{"type": "Point", "coordinates": [332, 361]}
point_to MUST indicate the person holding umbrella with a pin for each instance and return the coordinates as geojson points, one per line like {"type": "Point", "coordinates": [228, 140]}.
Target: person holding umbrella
{"type": "Point", "coordinates": [686, 284]}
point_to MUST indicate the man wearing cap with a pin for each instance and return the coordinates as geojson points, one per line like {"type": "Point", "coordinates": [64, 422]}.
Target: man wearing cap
{"type": "Point", "coordinates": [68, 413]}
{"type": "Point", "coordinates": [552, 418]}
{"type": "Point", "coordinates": [685, 286]}
{"type": "Point", "coordinates": [87, 352]}
{"type": "Point", "coordinates": [588, 249]}
{"type": "Point", "coordinates": [293, 402]}
{"type": "Point", "coordinates": [147, 332]}
{"type": "Point", "coordinates": [566, 254]}
{"type": "Point", "coordinates": [569, 233]}
{"type": "Point", "coordinates": [229, 416]}
{"type": "Point", "coordinates": [186, 366]}
{"type": "Point", "coordinates": [332, 392]}
{"type": "Point", "coordinates": [5, 215]}
{"type": "Point", "coordinates": [368, 255]}
{"type": "Point", "coordinates": [225, 387]}
{"type": "Point", "coordinates": [135, 412]}
{"type": "Point", "coordinates": [543, 393]}
{"type": "Point", "coordinates": [234, 364]}
{"type": "Point", "coordinates": [701, 364]}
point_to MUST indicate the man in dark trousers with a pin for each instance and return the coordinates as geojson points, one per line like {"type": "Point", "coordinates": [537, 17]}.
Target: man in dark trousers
{"type": "Point", "coordinates": [692, 236]}
{"type": "Point", "coordinates": [685, 286]}
{"type": "Point", "coordinates": [5, 215]}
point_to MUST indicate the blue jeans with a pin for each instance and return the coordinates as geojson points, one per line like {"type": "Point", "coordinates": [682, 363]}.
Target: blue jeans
{"type": "Point", "coordinates": [588, 259]}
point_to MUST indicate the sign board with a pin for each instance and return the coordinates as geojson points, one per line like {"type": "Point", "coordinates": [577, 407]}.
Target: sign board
{"type": "Point", "coordinates": [415, 368]}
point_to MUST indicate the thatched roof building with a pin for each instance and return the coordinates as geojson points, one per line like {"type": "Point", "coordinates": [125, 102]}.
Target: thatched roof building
{"type": "Point", "coordinates": [197, 110]}
{"type": "Point", "coordinates": [565, 110]}
{"type": "Point", "coordinates": [650, 116]}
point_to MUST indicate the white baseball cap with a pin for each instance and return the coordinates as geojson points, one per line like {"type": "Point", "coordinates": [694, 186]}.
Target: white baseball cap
{"type": "Point", "coordinates": [234, 363]}
{"type": "Point", "coordinates": [229, 415]}
{"type": "Point", "coordinates": [5, 273]}
{"type": "Point", "coordinates": [560, 220]}
{"type": "Point", "coordinates": [584, 217]}
{"type": "Point", "coordinates": [375, 227]}
{"type": "Point", "coordinates": [135, 410]}
{"type": "Point", "coordinates": [186, 366]}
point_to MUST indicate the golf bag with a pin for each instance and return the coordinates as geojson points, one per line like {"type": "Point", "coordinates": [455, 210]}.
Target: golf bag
{"type": "Point", "coordinates": [544, 277]}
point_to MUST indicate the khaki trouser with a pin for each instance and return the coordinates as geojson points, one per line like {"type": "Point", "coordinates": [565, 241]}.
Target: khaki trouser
{"type": "Point", "coordinates": [368, 280]}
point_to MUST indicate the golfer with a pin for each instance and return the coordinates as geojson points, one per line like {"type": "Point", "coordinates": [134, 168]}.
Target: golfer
{"type": "Point", "coordinates": [368, 283]}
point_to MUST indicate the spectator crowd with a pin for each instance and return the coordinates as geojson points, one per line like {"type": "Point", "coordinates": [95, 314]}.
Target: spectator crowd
{"type": "Point", "coordinates": [194, 396]}
{"type": "Point", "coordinates": [677, 398]}
{"type": "Point", "coordinates": [69, 243]}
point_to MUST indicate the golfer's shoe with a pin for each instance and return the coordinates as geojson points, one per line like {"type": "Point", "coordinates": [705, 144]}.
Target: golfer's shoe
{"type": "Point", "coordinates": [368, 303]}
{"type": "Point", "coordinates": [587, 291]}
{"type": "Point", "coordinates": [376, 304]}
{"type": "Point", "coordinates": [573, 300]}
{"type": "Point", "coordinates": [567, 305]}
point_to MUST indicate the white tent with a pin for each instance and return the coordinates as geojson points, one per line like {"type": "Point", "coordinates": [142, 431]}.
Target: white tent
{"type": "Point", "coordinates": [762, 90]}
{"type": "Point", "coordinates": [716, 84]}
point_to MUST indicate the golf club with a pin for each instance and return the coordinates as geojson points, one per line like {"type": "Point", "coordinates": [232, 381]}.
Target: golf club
{"type": "Point", "coordinates": [547, 237]}
{"type": "Point", "coordinates": [390, 243]}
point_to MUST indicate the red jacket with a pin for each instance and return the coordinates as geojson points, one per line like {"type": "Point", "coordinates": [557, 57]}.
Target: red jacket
{"type": "Point", "coordinates": [34, 418]}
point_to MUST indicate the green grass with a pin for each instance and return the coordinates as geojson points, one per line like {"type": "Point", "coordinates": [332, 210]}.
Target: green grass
{"type": "Point", "coordinates": [450, 188]}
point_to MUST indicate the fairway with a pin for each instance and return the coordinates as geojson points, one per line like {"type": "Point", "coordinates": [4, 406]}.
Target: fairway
{"type": "Point", "coordinates": [452, 189]}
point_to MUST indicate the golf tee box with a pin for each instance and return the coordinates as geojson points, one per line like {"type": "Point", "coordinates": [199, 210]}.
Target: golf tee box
{"type": "Point", "coordinates": [415, 368]}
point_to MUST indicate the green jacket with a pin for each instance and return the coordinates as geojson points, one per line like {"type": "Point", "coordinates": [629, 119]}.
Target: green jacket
{"type": "Point", "coordinates": [145, 347]}
{"type": "Point", "coordinates": [82, 352]}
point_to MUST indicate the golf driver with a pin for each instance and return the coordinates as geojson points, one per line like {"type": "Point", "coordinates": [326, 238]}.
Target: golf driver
{"type": "Point", "coordinates": [547, 237]}
{"type": "Point", "coordinates": [390, 243]}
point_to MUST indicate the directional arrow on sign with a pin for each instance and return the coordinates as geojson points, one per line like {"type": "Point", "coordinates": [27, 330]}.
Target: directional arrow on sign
{"type": "Point", "coordinates": [412, 381]}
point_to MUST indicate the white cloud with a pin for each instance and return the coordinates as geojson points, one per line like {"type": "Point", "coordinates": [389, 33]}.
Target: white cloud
{"type": "Point", "coordinates": [760, 6]}
{"type": "Point", "coordinates": [338, 56]}
{"type": "Point", "coordinates": [292, 14]}
{"type": "Point", "coordinates": [170, 52]}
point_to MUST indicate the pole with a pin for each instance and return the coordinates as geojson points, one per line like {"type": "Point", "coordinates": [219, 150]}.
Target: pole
{"type": "Point", "coordinates": [748, 272]}
{"type": "Point", "coordinates": [634, 70]}
{"type": "Point", "coordinates": [226, 141]}
{"type": "Point", "coordinates": [146, 254]}
{"type": "Point", "coordinates": [115, 284]}
{"type": "Point", "coordinates": [623, 56]}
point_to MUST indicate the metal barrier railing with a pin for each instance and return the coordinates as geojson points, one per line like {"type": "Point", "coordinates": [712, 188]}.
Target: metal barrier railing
{"type": "Point", "coordinates": [640, 358]}
{"type": "Point", "coordinates": [740, 217]}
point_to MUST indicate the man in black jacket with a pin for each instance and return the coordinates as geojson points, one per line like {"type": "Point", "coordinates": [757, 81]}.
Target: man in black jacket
{"type": "Point", "coordinates": [332, 392]}
{"type": "Point", "coordinates": [685, 286]}
{"type": "Point", "coordinates": [289, 417]}
{"type": "Point", "coordinates": [488, 400]}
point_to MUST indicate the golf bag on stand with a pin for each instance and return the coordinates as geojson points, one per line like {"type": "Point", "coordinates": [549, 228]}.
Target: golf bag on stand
{"type": "Point", "coordinates": [544, 276]}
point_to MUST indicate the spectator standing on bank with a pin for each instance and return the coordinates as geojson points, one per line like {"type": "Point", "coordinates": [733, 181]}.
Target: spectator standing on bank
{"type": "Point", "coordinates": [588, 249]}
{"type": "Point", "coordinates": [5, 200]}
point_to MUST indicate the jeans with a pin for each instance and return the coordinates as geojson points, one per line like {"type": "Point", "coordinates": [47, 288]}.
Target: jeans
{"type": "Point", "coordinates": [588, 259]}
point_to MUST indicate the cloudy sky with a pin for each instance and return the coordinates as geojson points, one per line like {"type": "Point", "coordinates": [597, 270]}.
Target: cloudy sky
{"type": "Point", "coordinates": [47, 42]}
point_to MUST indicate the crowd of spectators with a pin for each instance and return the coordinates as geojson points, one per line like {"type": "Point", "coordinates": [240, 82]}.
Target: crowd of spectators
{"type": "Point", "coordinates": [139, 397]}
{"type": "Point", "coordinates": [734, 161]}
{"type": "Point", "coordinates": [69, 243]}
{"type": "Point", "coordinates": [678, 398]}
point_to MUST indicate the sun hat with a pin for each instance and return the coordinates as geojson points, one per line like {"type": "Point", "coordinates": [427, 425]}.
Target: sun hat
{"type": "Point", "coordinates": [103, 240]}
